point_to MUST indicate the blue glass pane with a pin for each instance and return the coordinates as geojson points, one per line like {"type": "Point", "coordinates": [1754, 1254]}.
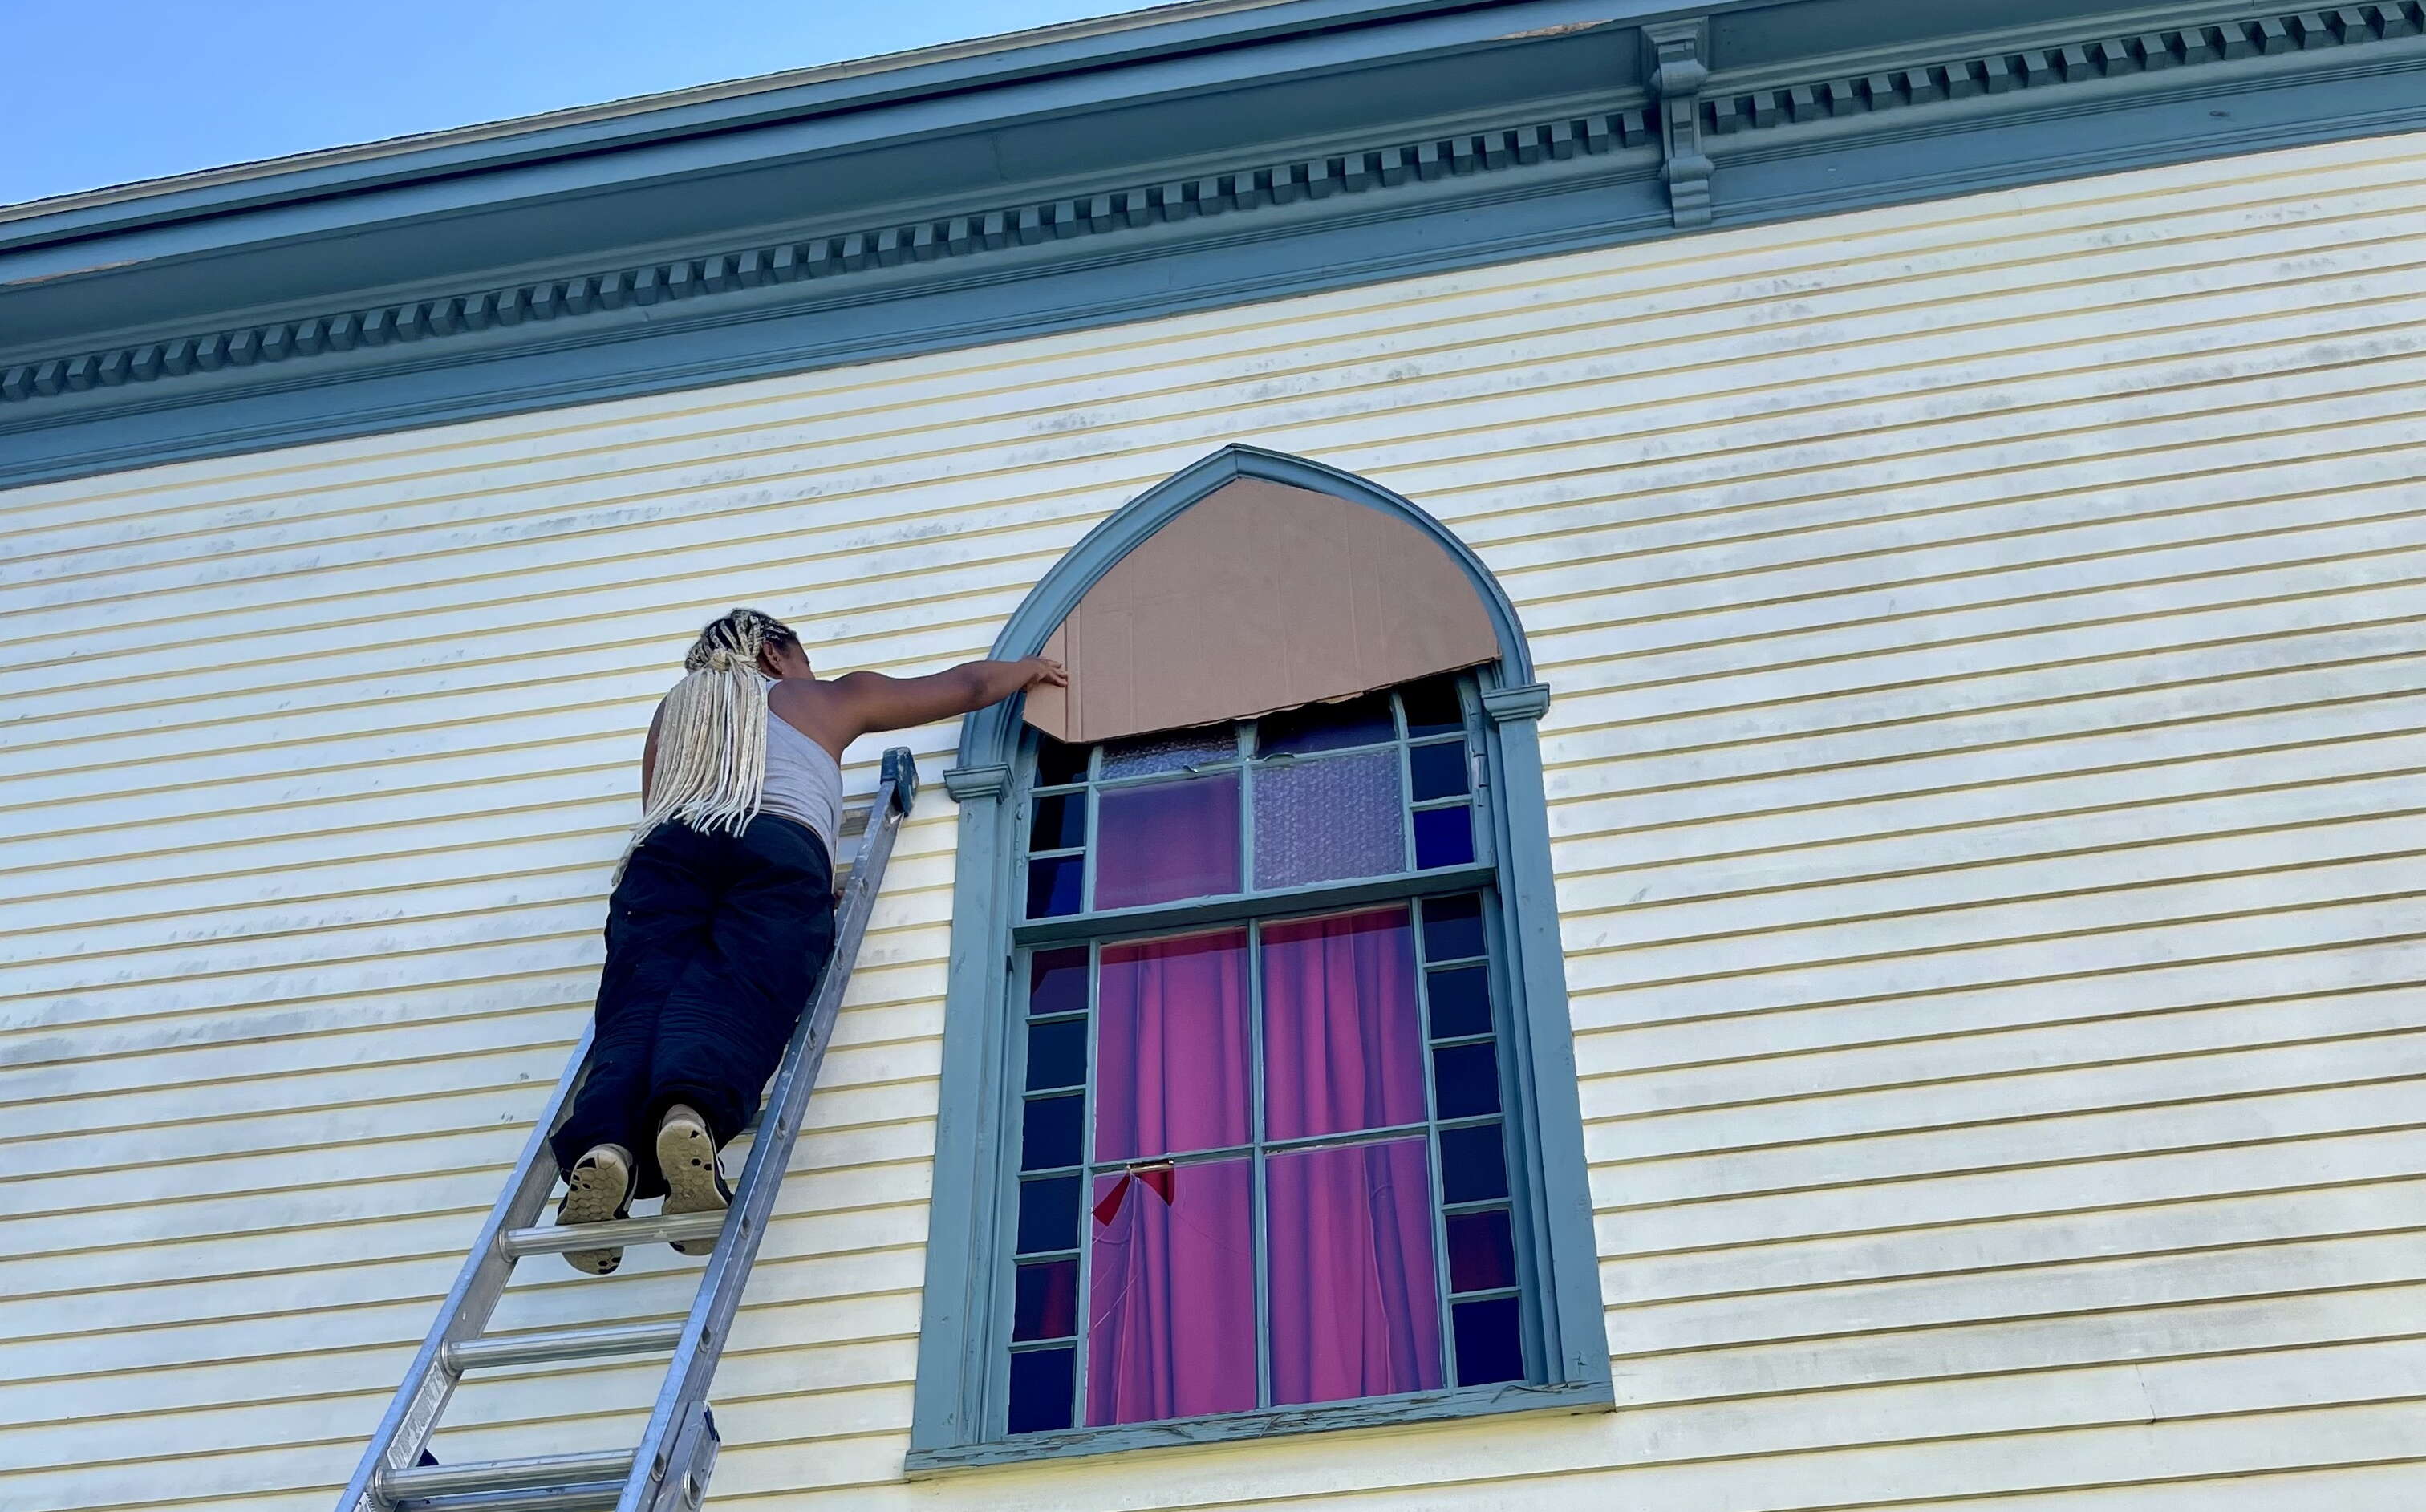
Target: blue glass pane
{"type": "Point", "coordinates": [1043, 1381]}
{"type": "Point", "coordinates": [1057, 981]}
{"type": "Point", "coordinates": [1049, 1129]}
{"type": "Point", "coordinates": [1054, 886]}
{"type": "Point", "coordinates": [1046, 1301]}
{"type": "Point", "coordinates": [1474, 1164]}
{"type": "Point", "coordinates": [1048, 1214]}
{"type": "Point", "coordinates": [1060, 822]}
{"type": "Point", "coordinates": [1056, 1055]}
{"type": "Point", "coordinates": [1174, 751]}
{"type": "Point", "coordinates": [1453, 928]}
{"type": "Point", "coordinates": [1444, 837]}
{"type": "Point", "coordinates": [1465, 1081]}
{"type": "Point", "coordinates": [1362, 721]}
{"type": "Point", "coordinates": [1439, 772]}
{"type": "Point", "coordinates": [1338, 817]}
{"type": "Point", "coordinates": [1431, 707]}
{"type": "Point", "coordinates": [1487, 1346]}
{"type": "Point", "coordinates": [1057, 763]}
{"type": "Point", "coordinates": [1482, 1252]}
{"type": "Point", "coordinates": [1460, 1002]}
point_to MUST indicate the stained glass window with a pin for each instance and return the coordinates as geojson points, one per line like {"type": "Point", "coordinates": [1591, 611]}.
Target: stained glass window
{"type": "Point", "coordinates": [1260, 1155]}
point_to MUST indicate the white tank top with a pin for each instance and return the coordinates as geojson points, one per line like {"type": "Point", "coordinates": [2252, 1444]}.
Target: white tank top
{"type": "Point", "coordinates": [803, 781]}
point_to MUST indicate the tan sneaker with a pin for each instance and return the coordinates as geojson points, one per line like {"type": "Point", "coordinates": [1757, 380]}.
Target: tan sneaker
{"type": "Point", "coordinates": [598, 1187]}
{"type": "Point", "coordinates": [687, 1155]}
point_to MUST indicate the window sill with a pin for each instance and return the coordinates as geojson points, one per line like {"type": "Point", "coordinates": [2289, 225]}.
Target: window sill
{"type": "Point", "coordinates": [1380, 1412]}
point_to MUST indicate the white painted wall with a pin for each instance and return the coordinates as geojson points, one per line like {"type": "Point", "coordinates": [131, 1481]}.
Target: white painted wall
{"type": "Point", "coordinates": [1985, 767]}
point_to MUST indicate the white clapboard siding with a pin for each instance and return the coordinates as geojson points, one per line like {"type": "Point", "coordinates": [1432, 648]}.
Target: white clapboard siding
{"type": "Point", "coordinates": [1985, 772]}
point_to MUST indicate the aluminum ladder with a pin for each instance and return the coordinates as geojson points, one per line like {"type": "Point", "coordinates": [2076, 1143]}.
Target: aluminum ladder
{"type": "Point", "coordinates": [669, 1470]}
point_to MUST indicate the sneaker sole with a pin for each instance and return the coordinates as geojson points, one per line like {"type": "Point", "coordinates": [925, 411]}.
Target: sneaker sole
{"type": "Point", "coordinates": [595, 1193]}
{"type": "Point", "coordinates": [687, 1157]}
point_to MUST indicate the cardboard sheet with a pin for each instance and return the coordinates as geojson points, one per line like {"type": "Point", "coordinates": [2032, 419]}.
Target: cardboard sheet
{"type": "Point", "coordinates": [1259, 597]}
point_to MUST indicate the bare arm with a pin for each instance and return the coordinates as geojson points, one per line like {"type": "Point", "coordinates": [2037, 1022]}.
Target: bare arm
{"type": "Point", "coordinates": [862, 703]}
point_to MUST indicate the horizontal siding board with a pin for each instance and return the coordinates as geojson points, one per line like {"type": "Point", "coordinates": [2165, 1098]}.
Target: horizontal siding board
{"type": "Point", "coordinates": [1984, 769]}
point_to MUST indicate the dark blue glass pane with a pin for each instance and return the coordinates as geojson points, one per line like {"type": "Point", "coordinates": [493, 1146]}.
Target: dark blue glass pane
{"type": "Point", "coordinates": [1056, 1055]}
{"type": "Point", "coordinates": [1453, 928]}
{"type": "Point", "coordinates": [1487, 1346]}
{"type": "Point", "coordinates": [1474, 1167]}
{"type": "Point", "coordinates": [1439, 771]}
{"type": "Point", "coordinates": [1431, 707]}
{"type": "Point", "coordinates": [1465, 1080]}
{"type": "Point", "coordinates": [1326, 726]}
{"type": "Point", "coordinates": [1048, 1214]}
{"type": "Point", "coordinates": [1046, 1305]}
{"type": "Point", "coordinates": [1482, 1252]}
{"type": "Point", "coordinates": [1048, 1133]}
{"type": "Point", "coordinates": [1053, 886]}
{"type": "Point", "coordinates": [1461, 999]}
{"type": "Point", "coordinates": [1060, 822]}
{"type": "Point", "coordinates": [1057, 763]}
{"type": "Point", "coordinates": [1042, 1382]}
{"type": "Point", "coordinates": [1444, 837]}
{"type": "Point", "coordinates": [1057, 981]}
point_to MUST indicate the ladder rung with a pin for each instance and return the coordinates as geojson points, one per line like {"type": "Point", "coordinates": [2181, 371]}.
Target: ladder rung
{"type": "Point", "coordinates": [584, 1496]}
{"type": "Point", "coordinates": [562, 1344]}
{"type": "Point", "coordinates": [541, 1471]}
{"type": "Point", "coordinates": [555, 1239]}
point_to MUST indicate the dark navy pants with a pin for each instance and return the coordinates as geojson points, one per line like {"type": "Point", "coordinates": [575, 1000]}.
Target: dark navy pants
{"type": "Point", "coordinates": [714, 943]}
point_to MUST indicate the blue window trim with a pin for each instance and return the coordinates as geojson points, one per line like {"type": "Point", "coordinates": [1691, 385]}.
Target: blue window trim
{"type": "Point", "coordinates": [958, 1331]}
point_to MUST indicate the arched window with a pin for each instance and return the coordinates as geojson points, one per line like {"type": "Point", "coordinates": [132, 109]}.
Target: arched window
{"type": "Point", "coordinates": [1259, 1109]}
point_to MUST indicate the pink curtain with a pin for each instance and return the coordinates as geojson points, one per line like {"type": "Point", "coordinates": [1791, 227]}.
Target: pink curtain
{"type": "Point", "coordinates": [1172, 1300]}
{"type": "Point", "coordinates": [1343, 1034]}
{"type": "Point", "coordinates": [1165, 841]}
{"type": "Point", "coordinates": [1354, 1309]}
{"type": "Point", "coordinates": [1171, 1046]}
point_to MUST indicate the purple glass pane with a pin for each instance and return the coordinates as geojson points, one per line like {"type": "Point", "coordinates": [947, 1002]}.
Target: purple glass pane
{"type": "Point", "coordinates": [1171, 1046]}
{"type": "Point", "coordinates": [1174, 751]}
{"type": "Point", "coordinates": [1482, 1252]}
{"type": "Point", "coordinates": [1167, 841]}
{"type": "Point", "coordinates": [1171, 1301]}
{"type": "Point", "coordinates": [1354, 1310]}
{"type": "Point", "coordinates": [1057, 981]}
{"type": "Point", "coordinates": [1444, 837]}
{"type": "Point", "coordinates": [1319, 820]}
{"type": "Point", "coordinates": [1046, 1303]}
{"type": "Point", "coordinates": [1342, 1038]}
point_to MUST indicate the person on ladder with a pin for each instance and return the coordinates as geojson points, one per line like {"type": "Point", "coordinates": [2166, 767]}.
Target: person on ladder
{"type": "Point", "coordinates": [722, 913]}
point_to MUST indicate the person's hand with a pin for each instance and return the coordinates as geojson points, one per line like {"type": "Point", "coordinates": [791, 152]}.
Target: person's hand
{"type": "Point", "coordinates": [1046, 672]}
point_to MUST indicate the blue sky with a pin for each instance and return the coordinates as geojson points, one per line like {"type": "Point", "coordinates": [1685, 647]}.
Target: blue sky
{"type": "Point", "coordinates": [103, 91]}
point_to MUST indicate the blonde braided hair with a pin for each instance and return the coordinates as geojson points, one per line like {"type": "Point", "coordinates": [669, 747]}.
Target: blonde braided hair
{"type": "Point", "coordinates": [711, 762]}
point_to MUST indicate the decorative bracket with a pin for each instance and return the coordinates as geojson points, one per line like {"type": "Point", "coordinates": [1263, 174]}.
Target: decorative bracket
{"type": "Point", "coordinates": [1672, 52]}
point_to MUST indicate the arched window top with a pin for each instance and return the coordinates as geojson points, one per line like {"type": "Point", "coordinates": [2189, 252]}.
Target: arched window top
{"type": "Point", "coordinates": [1248, 582]}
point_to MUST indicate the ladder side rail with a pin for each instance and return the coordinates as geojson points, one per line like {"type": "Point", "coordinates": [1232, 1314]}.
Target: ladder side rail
{"type": "Point", "coordinates": [430, 1379]}
{"type": "Point", "coordinates": [683, 1396]}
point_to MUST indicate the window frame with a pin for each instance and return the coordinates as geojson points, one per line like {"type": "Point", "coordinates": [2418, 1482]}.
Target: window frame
{"type": "Point", "coordinates": [962, 1367]}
